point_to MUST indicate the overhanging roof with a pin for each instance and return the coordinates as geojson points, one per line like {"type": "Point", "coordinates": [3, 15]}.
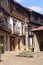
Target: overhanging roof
{"type": "Point", "coordinates": [38, 29]}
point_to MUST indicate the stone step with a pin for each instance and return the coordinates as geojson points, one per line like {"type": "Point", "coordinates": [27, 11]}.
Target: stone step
{"type": "Point", "coordinates": [26, 54]}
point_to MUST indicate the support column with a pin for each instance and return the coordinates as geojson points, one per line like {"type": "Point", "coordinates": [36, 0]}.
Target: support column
{"type": "Point", "coordinates": [26, 35]}
{"type": "Point", "coordinates": [8, 44]}
{"type": "Point", "coordinates": [4, 43]}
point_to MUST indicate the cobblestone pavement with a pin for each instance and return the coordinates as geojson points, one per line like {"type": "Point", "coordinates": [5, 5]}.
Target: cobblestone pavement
{"type": "Point", "coordinates": [10, 58]}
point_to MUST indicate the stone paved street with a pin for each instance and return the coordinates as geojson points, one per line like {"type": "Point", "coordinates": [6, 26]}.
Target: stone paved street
{"type": "Point", "coordinates": [10, 58]}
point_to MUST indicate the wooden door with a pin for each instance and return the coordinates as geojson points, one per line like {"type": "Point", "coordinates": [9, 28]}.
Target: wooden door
{"type": "Point", "coordinates": [12, 45]}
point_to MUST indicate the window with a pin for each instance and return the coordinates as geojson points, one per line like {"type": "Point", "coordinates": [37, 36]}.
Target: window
{"type": "Point", "coordinates": [18, 27]}
{"type": "Point", "coordinates": [18, 30]}
{"type": "Point", "coordinates": [7, 3]}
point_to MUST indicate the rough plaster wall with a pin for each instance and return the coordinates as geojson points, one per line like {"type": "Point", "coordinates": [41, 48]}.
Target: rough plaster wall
{"type": "Point", "coordinates": [36, 44]}
{"type": "Point", "coordinates": [16, 44]}
{"type": "Point", "coordinates": [22, 46]}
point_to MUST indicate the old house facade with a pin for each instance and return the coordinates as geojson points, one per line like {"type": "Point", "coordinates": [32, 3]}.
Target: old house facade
{"type": "Point", "coordinates": [5, 26]}
{"type": "Point", "coordinates": [36, 21]}
{"type": "Point", "coordinates": [16, 25]}
{"type": "Point", "coordinates": [24, 20]}
{"type": "Point", "coordinates": [19, 39]}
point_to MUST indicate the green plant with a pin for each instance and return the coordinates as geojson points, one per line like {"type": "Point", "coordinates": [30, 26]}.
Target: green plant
{"type": "Point", "coordinates": [1, 15]}
{"type": "Point", "coordinates": [1, 44]}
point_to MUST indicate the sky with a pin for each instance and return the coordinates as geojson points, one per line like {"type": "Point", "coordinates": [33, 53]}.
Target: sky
{"type": "Point", "coordinates": [36, 5]}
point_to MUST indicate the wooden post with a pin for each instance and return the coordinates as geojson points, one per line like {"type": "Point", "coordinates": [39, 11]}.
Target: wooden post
{"type": "Point", "coordinates": [0, 54]}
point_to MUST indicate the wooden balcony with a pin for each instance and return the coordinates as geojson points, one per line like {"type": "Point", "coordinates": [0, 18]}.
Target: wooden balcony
{"type": "Point", "coordinates": [4, 26]}
{"type": "Point", "coordinates": [15, 33]}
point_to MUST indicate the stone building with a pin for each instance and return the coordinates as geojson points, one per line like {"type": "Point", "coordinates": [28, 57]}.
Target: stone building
{"type": "Point", "coordinates": [16, 26]}
{"type": "Point", "coordinates": [5, 26]}
{"type": "Point", "coordinates": [20, 19]}
{"type": "Point", "coordinates": [38, 39]}
{"type": "Point", "coordinates": [36, 27]}
{"type": "Point", "coordinates": [24, 20]}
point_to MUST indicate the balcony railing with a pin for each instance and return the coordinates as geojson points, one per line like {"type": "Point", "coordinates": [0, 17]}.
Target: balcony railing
{"type": "Point", "coordinates": [19, 34]}
{"type": "Point", "coordinates": [5, 26]}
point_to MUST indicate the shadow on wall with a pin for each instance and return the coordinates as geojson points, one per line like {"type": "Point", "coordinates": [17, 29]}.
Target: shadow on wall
{"type": "Point", "coordinates": [41, 46]}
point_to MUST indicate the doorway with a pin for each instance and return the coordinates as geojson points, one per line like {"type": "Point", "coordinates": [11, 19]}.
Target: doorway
{"type": "Point", "coordinates": [41, 46]}
{"type": "Point", "coordinates": [12, 45]}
